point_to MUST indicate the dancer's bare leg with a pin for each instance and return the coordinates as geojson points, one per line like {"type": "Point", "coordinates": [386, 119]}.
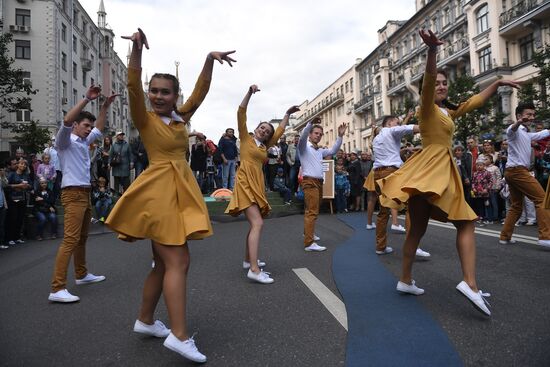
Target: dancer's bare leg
{"type": "Point", "coordinates": [419, 211]}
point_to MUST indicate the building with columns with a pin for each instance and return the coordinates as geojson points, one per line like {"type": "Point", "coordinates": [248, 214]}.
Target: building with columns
{"type": "Point", "coordinates": [63, 52]}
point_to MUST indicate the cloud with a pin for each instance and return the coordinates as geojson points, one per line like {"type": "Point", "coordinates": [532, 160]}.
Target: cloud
{"type": "Point", "coordinates": [291, 49]}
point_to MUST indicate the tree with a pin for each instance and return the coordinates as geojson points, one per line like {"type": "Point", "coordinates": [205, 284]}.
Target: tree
{"type": "Point", "coordinates": [15, 94]}
{"type": "Point", "coordinates": [537, 90]}
{"type": "Point", "coordinates": [482, 121]}
{"type": "Point", "coordinates": [31, 136]}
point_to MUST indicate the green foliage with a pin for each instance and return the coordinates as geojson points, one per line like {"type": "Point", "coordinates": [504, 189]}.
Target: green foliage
{"type": "Point", "coordinates": [477, 122]}
{"type": "Point", "coordinates": [31, 136]}
{"type": "Point", "coordinates": [537, 90]}
{"type": "Point", "coordinates": [14, 93]}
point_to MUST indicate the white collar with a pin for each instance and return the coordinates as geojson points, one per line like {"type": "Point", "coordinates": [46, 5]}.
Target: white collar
{"type": "Point", "coordinates": [173, 117]}
{"type": "Point", "coordinates": [258, 143]}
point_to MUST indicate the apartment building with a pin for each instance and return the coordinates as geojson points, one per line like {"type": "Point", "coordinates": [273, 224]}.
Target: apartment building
{"type": "Point", "coordinates": [63, 52]}
{"type": "Point", "coordinates": [334, 105]}
{"type": "Point", "coordinates": [487, 39]}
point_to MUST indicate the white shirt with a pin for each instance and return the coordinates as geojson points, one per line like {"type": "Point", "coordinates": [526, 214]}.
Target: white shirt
{"type": "Point", "coordinates": [519, 145]}
{"type": "Point", "coordinates": [54, 159]}
{"type": "Point", "coordinates": [311, 159]}
{"type": "Point", "coordinates": [387, 145]}
{"type": "Point", "coordinates": [74, 156]}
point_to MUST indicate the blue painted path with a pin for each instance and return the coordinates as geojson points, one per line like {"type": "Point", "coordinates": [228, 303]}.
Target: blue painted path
{"type": "Point", "coordinates": [385, 328]}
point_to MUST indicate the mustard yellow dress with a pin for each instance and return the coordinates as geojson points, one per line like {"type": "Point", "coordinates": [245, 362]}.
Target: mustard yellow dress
{"type": "Point", "coordinates": [369, 184]}
{"type": "Point", "coordinates": [432, 171]}
{"type": "Point", "coordinates": [164, 203]}
{"type": "Point", "coordinates": [249, 183]}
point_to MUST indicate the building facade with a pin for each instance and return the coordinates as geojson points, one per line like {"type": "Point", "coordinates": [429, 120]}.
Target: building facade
{"type": "Point", "coordinates": [63, 52]}
{"type": "Point", "coordinates": [334, 106]}
{"type": "Point", "coordinates": [486, 39]}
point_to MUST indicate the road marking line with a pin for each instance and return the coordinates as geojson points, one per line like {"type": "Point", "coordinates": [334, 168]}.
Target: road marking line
{"type": "Point", "coordinates": [486, 232]}
{"type": "Point", "coordinates": [332, 303]}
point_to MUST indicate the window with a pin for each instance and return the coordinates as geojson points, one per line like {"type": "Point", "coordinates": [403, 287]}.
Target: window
{"type": "Point", "coordinates": [351, 85]}
{"type": "Point", "coordinates": [63, 61]}
{"type": "Point", "coordinates": [75, 18]}
{"type": "Point", "coordinates": [347, 87]}
{"type": "Point", "coordinates": [75, 44]}
{"type": "Point", "coordinates": [92, 81]}
{"type": "Point", "coordinates": [526, 47]}
{"type": "Point", "coordinates": [75, 96]}
{"type": "Point", "coordinates": [22, 49]}
{"type": "Point", "coordinates": [63, 89]}
{"type": "Point", "coordinates": [75, 71]}
{"type": "Point", "coordinates": [446, 17]}
{"type": "Point", "coordinates": [84, 28]}
{"type": "Point", "coordinates": [26, 75]}
{"type": "Point", "coordinates": [84, 75]}
{"type": "Point", "coordinates": [23, 115]}
{"type": "Point", "coordinates": [485, 60]}
{"type": "Point", "coordinates": [23, 17]}
{"type": "Point", "coordinates": [63, 32]}
{"type": "Point", "coordinates": [482, 19]}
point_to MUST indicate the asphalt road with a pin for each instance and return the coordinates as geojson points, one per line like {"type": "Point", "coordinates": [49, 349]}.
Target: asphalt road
{"type": "Point", "coordinates": [240, 323]}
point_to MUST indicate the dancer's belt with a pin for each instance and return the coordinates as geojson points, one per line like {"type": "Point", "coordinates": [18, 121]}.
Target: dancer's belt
{"type": "Point", "coordinates": [314, 178]}
{"type": "Point", "coordinates": [77, 188]}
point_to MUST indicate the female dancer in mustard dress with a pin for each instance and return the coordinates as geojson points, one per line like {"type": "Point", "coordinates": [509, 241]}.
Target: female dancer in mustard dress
{"type": "Point", "coordinates": [164, 203]}
{"type": "Point", "coordinates": [430, 182]}
{"type": "Point", "coordinates": [249, 192]}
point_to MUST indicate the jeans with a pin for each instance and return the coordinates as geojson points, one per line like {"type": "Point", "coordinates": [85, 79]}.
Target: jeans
{"type": "Point", "coordinates": [293, 177]}
{"type": "Point", "coordinates": [340, 200]}
{"type": "Point", "coordinates": [285, 193]}
{"type": "Point", "coordinates": [2, 225]}
{"type": "Point", "coordinates": [42, 219]}
{"type": "Point", "coordinates": [492, 214]}
{"type": "Point", "coordinates": [15, 219]}
{"type": "Point", "coordinates": [228, 174]}
{"type": "Point", "coordinates": [102, 207]}
{"type": "Point", "coordinates": [139, 167]}
{"type": "Point", "coordinates": [123, 181]}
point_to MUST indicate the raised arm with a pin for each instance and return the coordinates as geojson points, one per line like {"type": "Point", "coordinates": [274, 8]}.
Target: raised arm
{"type": "Point", "coordinates": [92, 93]}
{"type": "Point", "coordinates": [281, 128]}
{"type": "Point", "coordinates": [493, 87]}
{"type": "Point", "coordinates": [241, 114]}
{"type": "Point", "coordinates": [428, 84]}
{"type": "Point", "coordinates": [203, 83]}
{"type": "Point", "coordinates": [302, 143]}
{"type": "Point", "coordinates": [135, 89]}
{"type": "Point", "coordinates": [102, 117]}
{"type": "Point", "coordinates": [336, 146]}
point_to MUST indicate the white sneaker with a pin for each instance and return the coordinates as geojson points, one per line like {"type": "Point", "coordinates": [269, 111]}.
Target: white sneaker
{"type": "Point", "coordinates": [398, 228]}
{"type": "Point", "coordinates": [531, 223]}
{"type": "Point", "coordinates": [423, 254]}
{"type": "Point", "coordinates": [507, 242]}
{"type": "Point", "coordinates": [315, 237]}
{"type": "Point", "coordinates": [544, 243]}
{"type": "Point", "coordinates": [315, 247]}
{"type": "Point", "coordinates": [387, 250]}
{"type": "Point", "coordinates": [186, 348]}
{"type": "Point", "coordinates": [158, 329]}
{"type": "Point", "coordinates": [262, 277]}
{"type": "Point", "coordinates": [246, 264]}
{"type": "Point", "coordinates": [477, 299]}
{"type": "Point", "coordinates": [409, 288]}
{"type": "Point", "coordinates": [90, 278]}
{"type": "Point", "coordinates": [63, 296]}
{"type": "Point", "coordinates": [371, 226]}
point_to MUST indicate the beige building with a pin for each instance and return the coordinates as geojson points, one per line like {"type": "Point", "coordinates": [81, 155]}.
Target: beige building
{"type": "Point", "coordinates": [334, 106]}
{"type": "Point", "coordinates": [62, 52]}
{"type": "Point", "coordinates": [488, 39]}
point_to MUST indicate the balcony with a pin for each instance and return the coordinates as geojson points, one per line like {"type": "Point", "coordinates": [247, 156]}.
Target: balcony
{"type": "Point", "coordinates": [396, 85]}
{"type": "Point", "coordinates": [364, 103]}
{"type": "Point", "coordinates": [511, 21]}
{"type": "Point", "coordinates": [19, 28]}
{"type": "Point", "coordinates": [325, 105]}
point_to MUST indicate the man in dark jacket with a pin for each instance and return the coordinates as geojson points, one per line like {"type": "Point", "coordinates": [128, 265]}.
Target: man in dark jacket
{"type": "Point", "coordinates": [229, 153]}
{"type": "Point", "coordinates": [140, 156]}
{"type": "Point", "coordinates": [121, 160]}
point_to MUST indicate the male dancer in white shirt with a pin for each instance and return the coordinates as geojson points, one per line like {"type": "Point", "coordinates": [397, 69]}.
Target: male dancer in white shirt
{"type": "Point", "coordinates": [518, 178]}
{"type": "Point", "coordinates": [311, 159]}
{"type": "Point", "coordinates": [72, 145]}
{"type": "Point", "coordinates": [387, 160]}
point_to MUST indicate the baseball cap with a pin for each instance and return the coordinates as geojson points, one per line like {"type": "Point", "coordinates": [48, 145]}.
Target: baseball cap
{"type": "Point", "coordinates": [119, 133]}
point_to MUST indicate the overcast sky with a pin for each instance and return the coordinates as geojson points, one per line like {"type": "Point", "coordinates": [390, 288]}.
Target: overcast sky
{"type": "Point", "coordinates": [291, 49]}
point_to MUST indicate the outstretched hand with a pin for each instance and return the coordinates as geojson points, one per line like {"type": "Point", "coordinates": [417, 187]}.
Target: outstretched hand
{"type": "Point", "coordinates": [139, 39]}
{"type": "Point", "coordinates": [221, 56]}
{"type": "Point", "coordinates": [316, 121]}
{"type": "Point", "coordinates": [253, 89]}
{"type": "Point", "coordinates": [342, 129]}
{"type": "Point", "coordinates": [509, 83]}
{"type": "Point", "coordinates": [292, 110]}
{"type": "Point", "coordinates": [109, 100]}
{"type": "Point", "coordinates": [93, 92]}
{"type": "Point", "coordinates": [430, 39]}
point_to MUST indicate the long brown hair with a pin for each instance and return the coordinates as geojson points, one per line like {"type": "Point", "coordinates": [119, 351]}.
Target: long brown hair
{"type": "Point", "coordinates": [449, 105]}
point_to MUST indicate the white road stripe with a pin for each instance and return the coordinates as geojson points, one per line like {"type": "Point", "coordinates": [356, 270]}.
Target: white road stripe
{"type": "Point", "coordinates": [327, 298]}
{"type": "Point", "coordinates": [486, 232]}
